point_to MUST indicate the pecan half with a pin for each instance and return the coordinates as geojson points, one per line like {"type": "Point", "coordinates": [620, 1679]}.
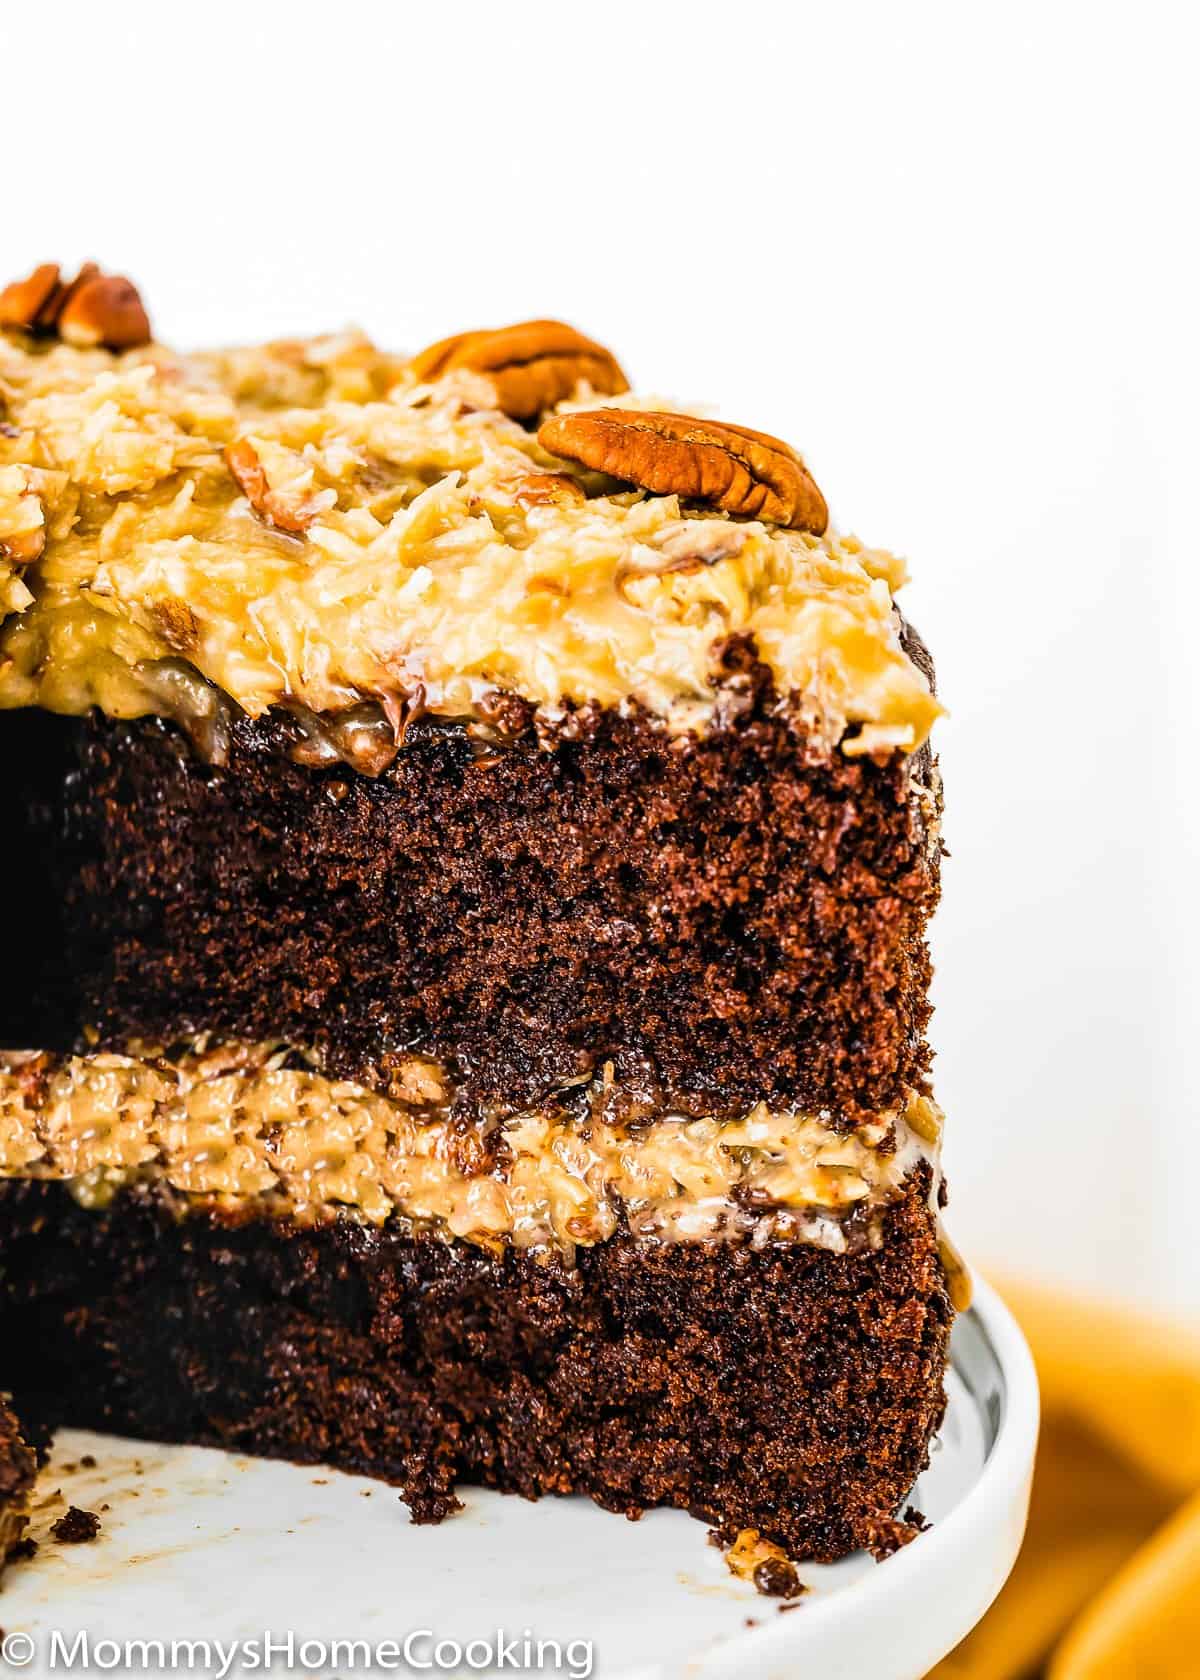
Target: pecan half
{"type": "Point", "coordinates": [530, 366]}
{"type": "Point", "coordinates": [105, 309]}
{"type": "Point", "coordinates": [51, 314]}
{"type": "Point", "coordinates": [287, 510]}
{"type": "Point", "coordinates": [23, 302]}
{"type": "Point", "coordinates": [729, 467]}
{"type": "Point", "coordinates": [92, 309]}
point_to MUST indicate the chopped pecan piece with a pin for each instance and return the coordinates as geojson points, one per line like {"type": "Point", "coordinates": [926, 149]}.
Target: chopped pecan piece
{"type": "Point", "coordinates": [285, 509]}
{"type": "Point", "coordinates": [22, 518]}
{"type": "Point", "coordinates": [530, 367]}
{"type": "Point", "coordinates": [729, 467]}
{"type": "Point", "coordinates": [23, 550]}
{"type": "Point", "coordinates": [91, 309]}
{"type": "Point", "coordinates": [548, 490]}
{"type": "Point", "coordinates": [697, 543]}
{"type": "Point", "coordinates": [176, 624]}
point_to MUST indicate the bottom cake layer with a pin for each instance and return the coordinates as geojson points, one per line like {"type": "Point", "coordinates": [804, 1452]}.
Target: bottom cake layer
{"type": "Point", "coordinates": [789, 1389]}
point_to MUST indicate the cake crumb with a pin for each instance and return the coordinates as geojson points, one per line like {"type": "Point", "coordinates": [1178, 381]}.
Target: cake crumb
{"type": "Point", "coordinates": [21, 1550]}
{"type": "Point", "coordinates": [886, 1535]}
{"type": "Point", "coordinates": [762, 1562]}
{"type": "Point", "coordinates": [76, 1526]}
{"type": "Point", "coordinates": [87, 1462]}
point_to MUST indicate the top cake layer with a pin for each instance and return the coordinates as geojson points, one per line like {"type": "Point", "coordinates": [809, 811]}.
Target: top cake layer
{"type": "Point", "coordinates": [320, 524]}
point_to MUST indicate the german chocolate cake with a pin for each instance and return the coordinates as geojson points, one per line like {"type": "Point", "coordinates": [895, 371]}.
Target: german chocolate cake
{"type": "Point", "coordinates": [471, 837]}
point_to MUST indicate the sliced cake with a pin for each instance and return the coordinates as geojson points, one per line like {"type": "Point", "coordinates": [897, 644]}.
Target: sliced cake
{"type": "Point", "coordinates": [474, 834]}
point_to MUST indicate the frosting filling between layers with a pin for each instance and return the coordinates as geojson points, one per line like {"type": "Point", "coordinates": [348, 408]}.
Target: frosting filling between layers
{"type": "Point", "coordinates": [254, 1127]}
{"type": "Point", "coordinates": [415, 550]}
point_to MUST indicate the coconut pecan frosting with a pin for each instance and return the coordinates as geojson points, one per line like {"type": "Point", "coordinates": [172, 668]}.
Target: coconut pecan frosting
{"type": "Point", "coordinates": [326, 525]}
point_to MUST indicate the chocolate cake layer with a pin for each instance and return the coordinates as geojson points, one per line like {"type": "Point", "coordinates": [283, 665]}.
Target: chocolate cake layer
{"type": "Point", "coordinates": [39, 989]}
{"type": "Point", "coordinates": [788, 1390]}
{"type": "Point", "coordinates": [17, 1470]}
{"type": "Point", "coordinates": [725, 919]}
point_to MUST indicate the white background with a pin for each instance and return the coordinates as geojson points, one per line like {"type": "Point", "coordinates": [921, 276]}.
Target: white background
{"type": "Point", "coordinates": [944, 250]}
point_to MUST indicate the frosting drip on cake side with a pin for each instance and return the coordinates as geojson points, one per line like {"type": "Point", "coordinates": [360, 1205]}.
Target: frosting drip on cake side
{"type": "Point", "coordinates": [310, 524]}
{"type": "Point", "coordinates": [241, 1127]}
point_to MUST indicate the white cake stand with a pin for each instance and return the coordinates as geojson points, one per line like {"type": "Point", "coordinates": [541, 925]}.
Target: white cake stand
{"type": "Point", "coordinates": [199, 1545]}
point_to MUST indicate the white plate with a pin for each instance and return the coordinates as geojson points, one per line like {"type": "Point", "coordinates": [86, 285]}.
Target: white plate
{"type": "Point", "coordinates": [199, 1545]}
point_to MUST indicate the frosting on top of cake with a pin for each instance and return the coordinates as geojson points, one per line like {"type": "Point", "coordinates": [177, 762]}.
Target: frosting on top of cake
{"type": "Point", "coordinates": [323, 524]}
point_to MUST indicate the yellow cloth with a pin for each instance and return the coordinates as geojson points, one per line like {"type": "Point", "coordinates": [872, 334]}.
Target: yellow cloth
{"type": "Point", "coordinates": [1107, 1586]}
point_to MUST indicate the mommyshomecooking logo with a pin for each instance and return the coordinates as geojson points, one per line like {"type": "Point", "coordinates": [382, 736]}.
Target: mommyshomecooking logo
{"type": "Point", "coordinates": [419, 1651]}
